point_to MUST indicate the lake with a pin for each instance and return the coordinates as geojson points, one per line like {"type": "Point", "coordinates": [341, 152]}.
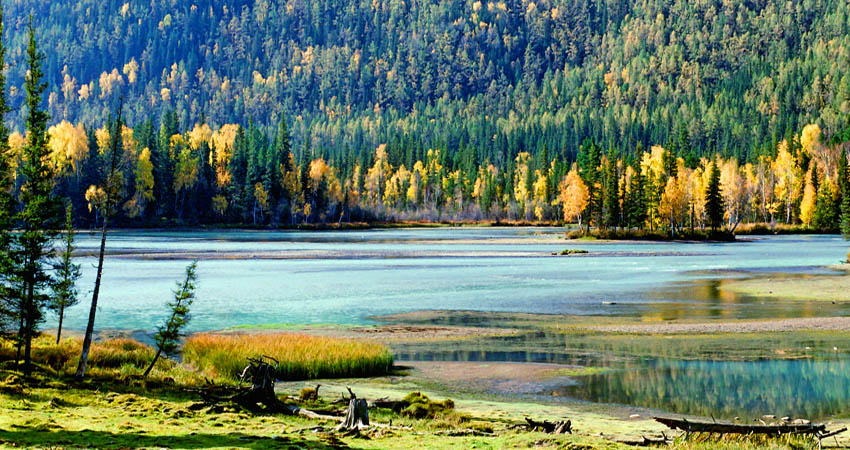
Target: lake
{"type": "Point", "coordinates": [348, 277]}
{"type": "Point", "coordinates": [252, 277]}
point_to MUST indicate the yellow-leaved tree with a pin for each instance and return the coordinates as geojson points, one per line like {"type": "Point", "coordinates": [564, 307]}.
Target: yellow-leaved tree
{"type": "Point", "coordinates": [573, 196]}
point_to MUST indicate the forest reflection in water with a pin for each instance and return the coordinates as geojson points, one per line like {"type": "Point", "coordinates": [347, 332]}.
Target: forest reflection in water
{"type": "Point", "coordinates": [747, 375]}
{"type": "Point", "coordinates": [809, 388]}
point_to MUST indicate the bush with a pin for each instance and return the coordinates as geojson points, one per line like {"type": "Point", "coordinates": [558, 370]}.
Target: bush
{"type": "Point", "coordinates": [568, 252]}
{"type": "Point", "coordinates": [300, 357]}
{"type": "Point", "coordinates": [418, 406]}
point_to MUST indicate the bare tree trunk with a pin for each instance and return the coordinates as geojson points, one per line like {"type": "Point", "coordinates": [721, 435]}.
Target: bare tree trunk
{"type": "Point", "coordinates": [84, 356]}
{"type": "Point", "coordinates": [59, 330]}
{"type": "Point", "coordinates": [28, 329]}
{"type": "Point", "coordinates": [155, 359]}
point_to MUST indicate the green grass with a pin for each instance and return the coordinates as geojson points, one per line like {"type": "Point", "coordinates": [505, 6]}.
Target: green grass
{"type": "Point", "coordinates": [646, 235]}
{"type": "Point", "coordinates": [300, 356]}
{"type": "Point", "coordinates": [569, 251]}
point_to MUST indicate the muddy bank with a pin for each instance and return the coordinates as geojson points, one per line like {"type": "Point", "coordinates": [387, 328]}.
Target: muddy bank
{"type": "Point", "coordinates": [834, 288]}
{"type": "Point", "coordinates": [384, 333]}
{"type": "Point", "coordinates": [754, 326]}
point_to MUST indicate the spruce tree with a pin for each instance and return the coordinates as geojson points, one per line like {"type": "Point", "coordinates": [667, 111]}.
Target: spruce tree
{"type": "Point", "coordinates": [844, 193]}
{"type": "Point", "coordinates": [637, 201]}
{"type": "Point", "coordinates": [39, 215]}
{"type": "Point", "coordinates": [713, 199]}
{"type": "Point", "coordinates": [8, 266]}
{"type": "Point", "coordinates": [168, 336]}
{"type": "Point", "coordinates": [612, 194]}
{"type": "Point", "coordinates": [826, 213]}
{"type": "Point", "coordinates": [67, 273]}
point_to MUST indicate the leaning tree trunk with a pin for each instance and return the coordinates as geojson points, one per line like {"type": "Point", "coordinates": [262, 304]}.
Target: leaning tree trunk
{"type": "Point", "coordinates": [153, 363]}
{"type": "Point", "coordinates": [59, 330]}
{"type": "Point", "coordinates": [84, 356]}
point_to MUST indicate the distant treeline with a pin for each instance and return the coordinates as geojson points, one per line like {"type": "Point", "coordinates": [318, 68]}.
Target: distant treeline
{"type": "Point", "coordinates": [236, 175]}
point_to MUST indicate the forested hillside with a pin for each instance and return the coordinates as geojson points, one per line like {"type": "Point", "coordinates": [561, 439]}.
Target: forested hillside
{"type": "Point", "coordinates": [490, 78]}
{"type": "Point", "coordinates": [650, 114]}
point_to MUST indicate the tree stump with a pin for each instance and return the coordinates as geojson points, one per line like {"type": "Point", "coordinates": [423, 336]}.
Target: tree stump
{"type": "Point", "coordinates": [357, 416]}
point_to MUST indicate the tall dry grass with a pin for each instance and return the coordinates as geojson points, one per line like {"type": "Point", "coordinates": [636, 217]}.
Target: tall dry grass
{"type": "Point", "coordinates": [106, 354]}
{"type": "Point", "coordinates": [301, 356]}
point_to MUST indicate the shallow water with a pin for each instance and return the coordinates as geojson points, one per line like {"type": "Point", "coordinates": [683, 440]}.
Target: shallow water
{"type": "Point", "coordinates": [254, 278]}
{"type": "Point", "coordinates": [807, 388]}
{"type": "Point", "coordinates": [414, 269]}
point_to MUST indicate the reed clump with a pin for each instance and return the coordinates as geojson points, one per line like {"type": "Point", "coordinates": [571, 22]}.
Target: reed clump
{"type": "Point", "coordinates": [299, 356]}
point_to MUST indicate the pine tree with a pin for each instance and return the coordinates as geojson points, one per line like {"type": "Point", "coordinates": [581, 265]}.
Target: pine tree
{"type": "Point", "coordinates": [280, 158]}
{"type": "Point", "coordinates": [713, 199]}
{"type": "Point", "coordinates": [612, 194]}
{"type": "Point", "coordinates": [589, 159]}
{"type": "Point", "coordinates": [39, 216]}
{"type": "Point", "coordinates": [168, 336]}
{"type": "Point", "coordinates": [844, 193]}
{"type": "Point", "coordinates": [67, 273]}
{"type": "Point", "coordinates": [826, 210]}
{"type": "Point", "coordinates": [637, 201]}
{"type": "Point", "coordinates": [8, 269]}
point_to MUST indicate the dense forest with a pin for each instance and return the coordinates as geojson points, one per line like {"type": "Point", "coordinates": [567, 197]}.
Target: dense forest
{"type": "Point", "coordinates": [616, 114]}
{"type": "Point", "coordinates": [492, 79]}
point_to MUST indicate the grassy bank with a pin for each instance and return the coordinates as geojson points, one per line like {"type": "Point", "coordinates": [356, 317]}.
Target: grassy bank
{"type": "Point", "coordinates": [300, 356]}
{"type": "Point", "coordinates": [645, 235]}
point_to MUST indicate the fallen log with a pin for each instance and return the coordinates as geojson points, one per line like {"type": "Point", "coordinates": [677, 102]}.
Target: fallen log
{"type": "Point", "coordinates": [560, 427]}
{"type": "Point", "coordinates": [735, 428]}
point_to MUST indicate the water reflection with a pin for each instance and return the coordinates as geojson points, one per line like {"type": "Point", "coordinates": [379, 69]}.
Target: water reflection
{"type": "Point", "coordinates": [716, 375]}
{"type": "Point", "coordinates": [808, 388]}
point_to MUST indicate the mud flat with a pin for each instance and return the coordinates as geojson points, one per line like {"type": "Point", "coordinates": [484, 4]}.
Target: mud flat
{"type": "Point", "coordinates": [834, 288]}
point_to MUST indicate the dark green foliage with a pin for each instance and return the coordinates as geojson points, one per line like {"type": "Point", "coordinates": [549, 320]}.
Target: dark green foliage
{"type": "Point", "coordinates": [589, 160]}
{"type": "Point", "coordinates": [713, 199]}
{"type": "Point", "coordinates": [168, 336]}
{"type": "Point", "coordinates": [844, 193]}
{"type": "Point", "coordinates": [40, 212]}
{"type": "Point", "coordinates": [8, 266]}
{"type": "Point", "coordinates": [67, 273]}
{"type": "Point", "coordinates": [827, 213]}
{"type": "Point", "coordinates": [611, 204]}
{"type": "Point", "coordinates": [635, 204]}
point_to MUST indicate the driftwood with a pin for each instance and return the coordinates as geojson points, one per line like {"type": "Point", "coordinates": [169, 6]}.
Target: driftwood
{"type": "Point", "coordinates": [357, 417]}
{"type": "Point", "coordinates": [257, 397]}
{"type": "Point", "coordinates": [560, 427]}
{"type": "Point", "coordinates": [734, 428]}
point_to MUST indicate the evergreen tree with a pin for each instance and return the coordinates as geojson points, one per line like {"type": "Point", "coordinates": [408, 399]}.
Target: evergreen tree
{"type": "Point", "coordinates": [844, 193]}
{"type": "Point", "coordinates": [168, 336]}
{"type": "Point", "coordinates": [39, 216]}
{"type": "Point", "coordinates": [8, 266]}
{"type": "Point", "coordinates": [67, 273]}
{"type": "Point", "coordinates": [713, 199]}
{"type": "Point", "coordinates": [826, 216]}
{"type": "Point", "coordinates": [612, 194]}
{"type": "Point", "coordinates": [589, 159]}
{"type": "Point", "coordinates": [637, 201]}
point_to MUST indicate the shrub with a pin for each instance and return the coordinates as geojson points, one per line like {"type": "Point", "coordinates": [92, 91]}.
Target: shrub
{"type": "Point", "coordinates": [300, 356]}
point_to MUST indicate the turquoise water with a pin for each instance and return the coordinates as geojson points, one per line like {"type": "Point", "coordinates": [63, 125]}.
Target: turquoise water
{"type": "Point", "coordinates": [251, 277]}
{"type": "Point", "coordinates": [808, 388]}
